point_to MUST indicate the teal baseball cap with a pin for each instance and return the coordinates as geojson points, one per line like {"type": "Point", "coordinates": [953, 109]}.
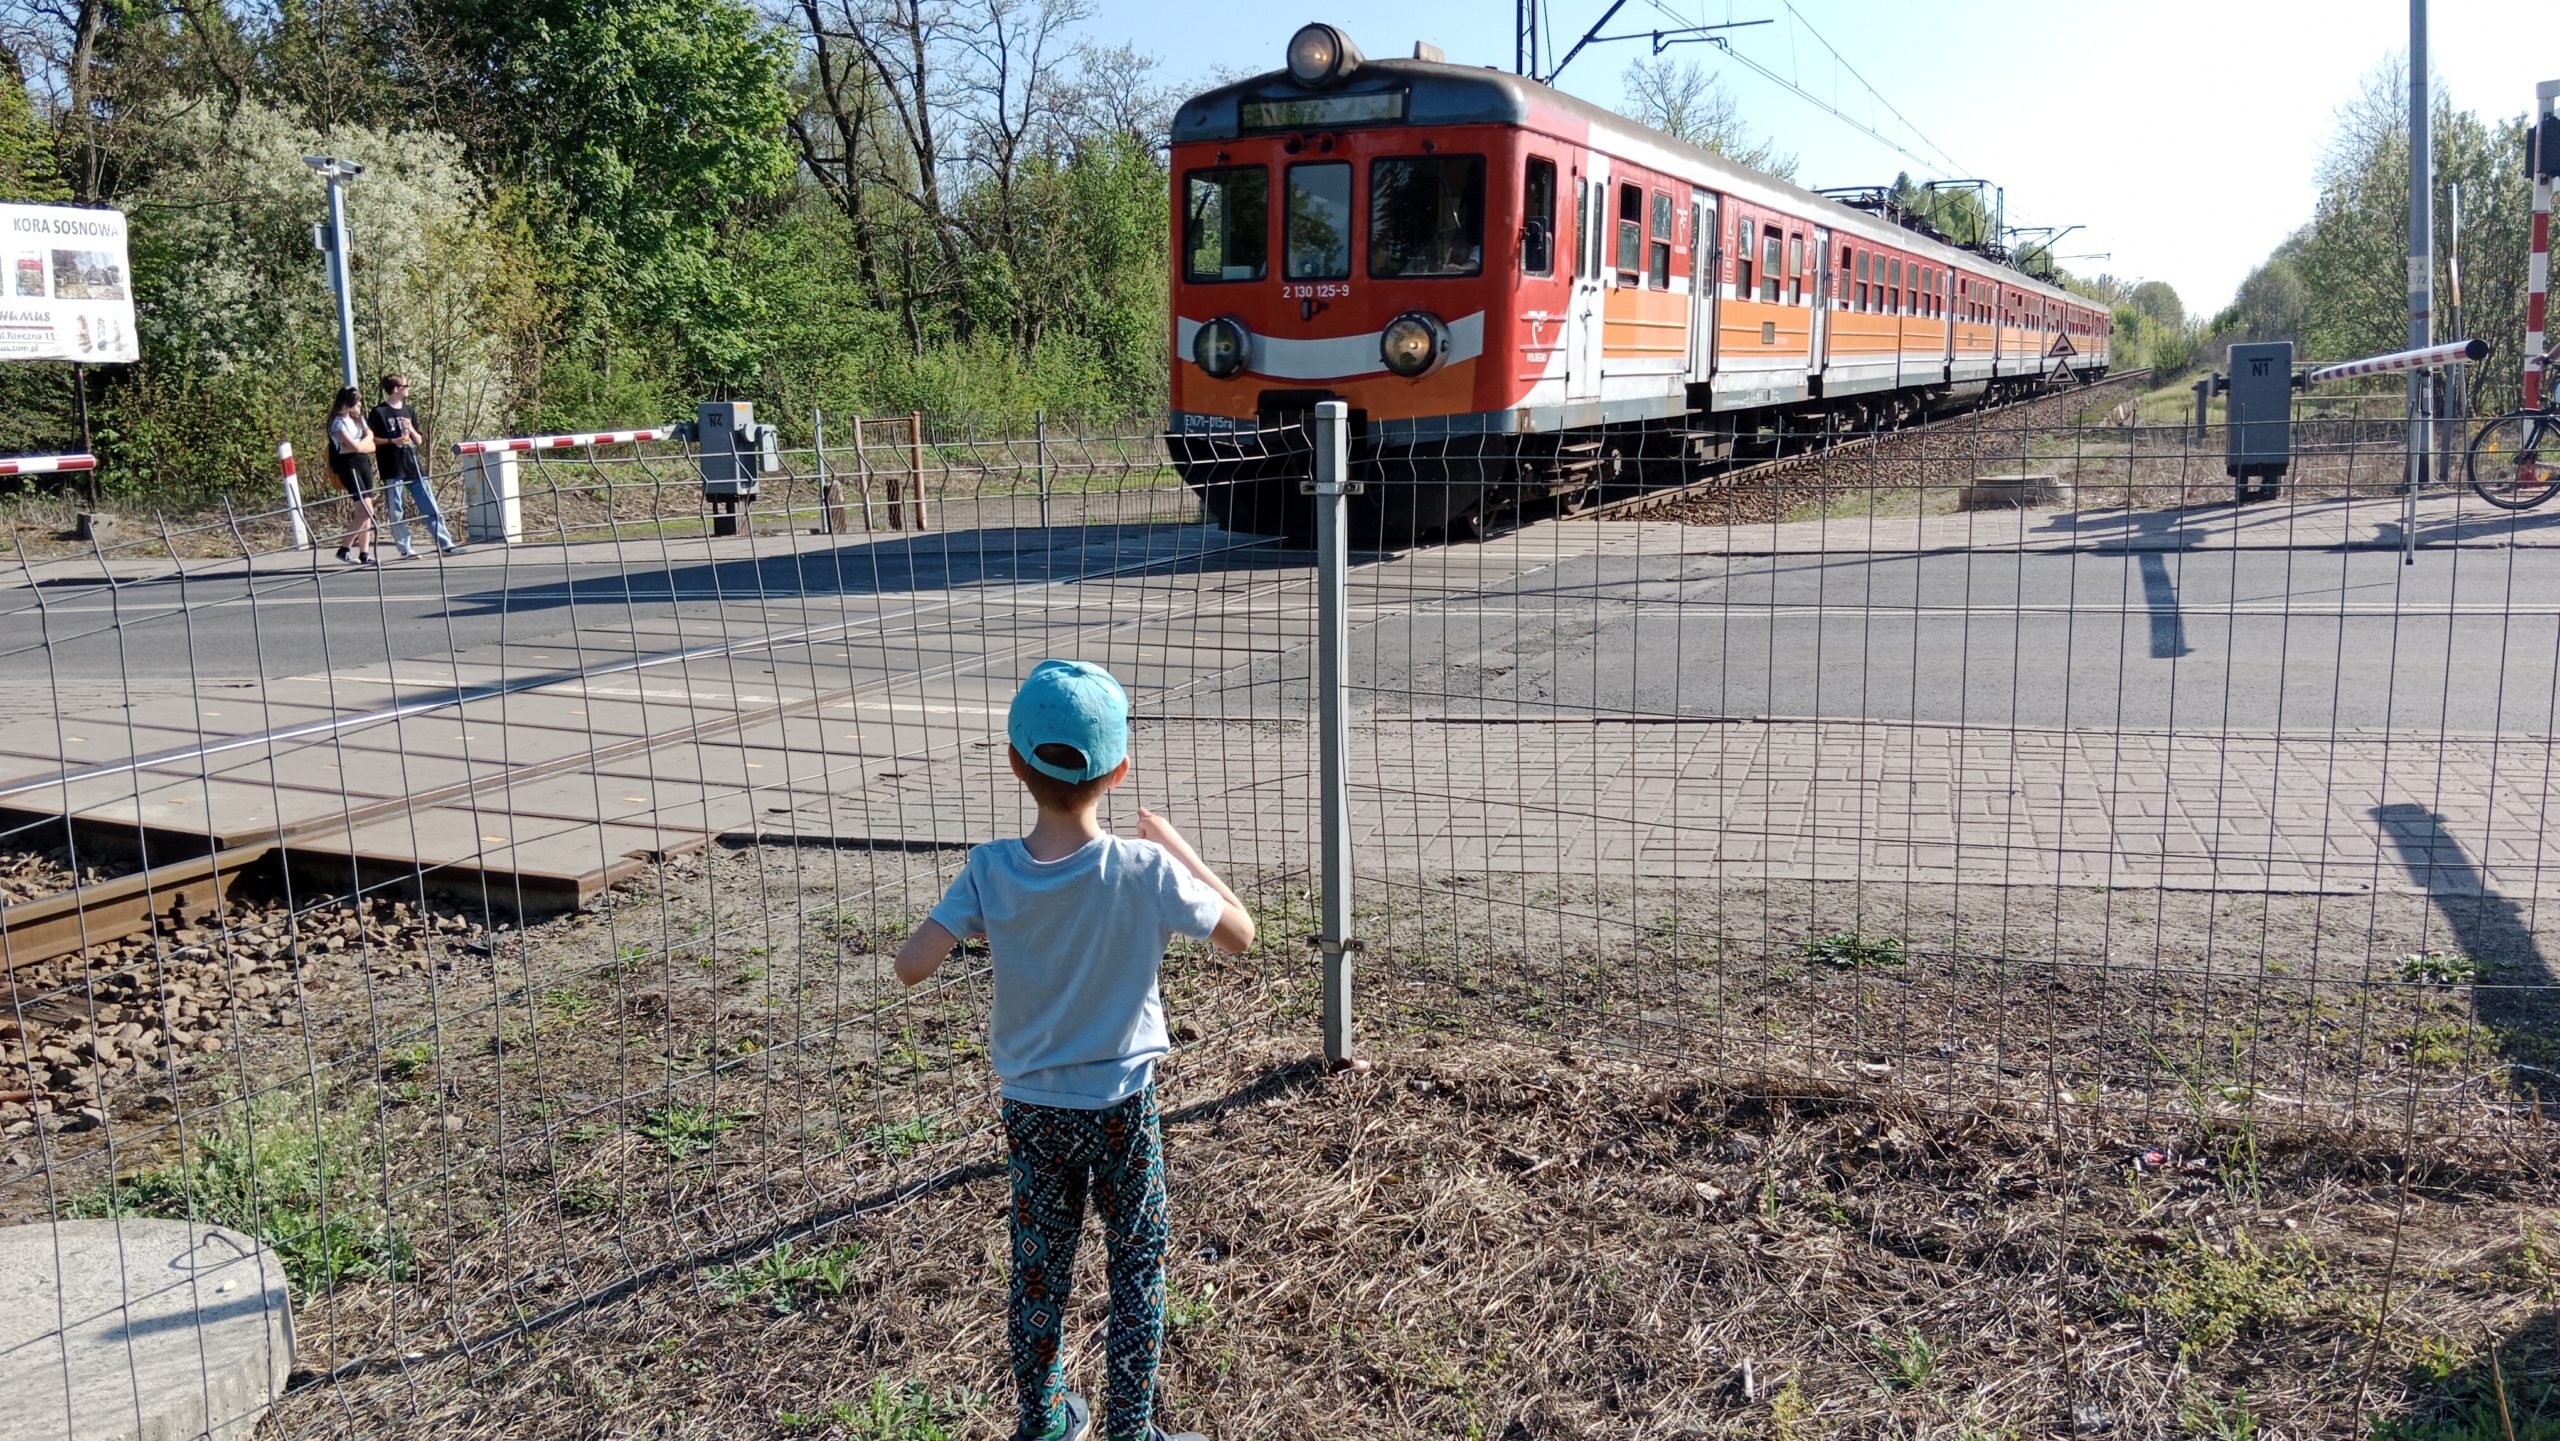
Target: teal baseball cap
{"type": "Point", "coordinates": [1070, 703]}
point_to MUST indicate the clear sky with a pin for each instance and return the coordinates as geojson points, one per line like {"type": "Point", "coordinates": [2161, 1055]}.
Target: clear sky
{"type": "Point", "coordinates": [2182, 135]}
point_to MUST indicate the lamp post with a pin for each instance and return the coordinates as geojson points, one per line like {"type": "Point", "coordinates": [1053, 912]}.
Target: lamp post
{"type": "Point", "coordinates": [334, 244]}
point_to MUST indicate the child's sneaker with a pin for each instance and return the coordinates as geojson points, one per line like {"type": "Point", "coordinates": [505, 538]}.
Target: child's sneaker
{"type": "Point", "coordinates": [1079, 1425]}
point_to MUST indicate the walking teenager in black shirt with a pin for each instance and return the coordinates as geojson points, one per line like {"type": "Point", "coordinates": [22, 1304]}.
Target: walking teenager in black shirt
{"type": "Point", "coordinates": [395, 432]}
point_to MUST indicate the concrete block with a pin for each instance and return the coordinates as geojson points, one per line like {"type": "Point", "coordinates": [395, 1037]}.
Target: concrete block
{"type": "Point", "coordinates": [139, 1330]}
{"type": "Point", "coordinates": [2008, 492]}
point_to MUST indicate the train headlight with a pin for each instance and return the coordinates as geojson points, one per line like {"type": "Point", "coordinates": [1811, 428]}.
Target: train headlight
{"type": "Point", "coordinates": [1321, 55]}
{"type": "Point", "coordinates": [1220, 347]}
{"type": "Point", "coordinates": [1413, 343]}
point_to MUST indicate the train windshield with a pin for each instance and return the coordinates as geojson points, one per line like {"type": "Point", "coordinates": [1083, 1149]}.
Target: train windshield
{"type": "Point", "coordinates": [1226, 223]}
{"type": "Point", "coordinates": [1426, 215]}
{"type": "Point", "coordinates": [1319, 237]}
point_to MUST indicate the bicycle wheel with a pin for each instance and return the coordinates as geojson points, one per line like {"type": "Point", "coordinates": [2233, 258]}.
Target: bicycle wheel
{"type": "Point", "coordinates": [2515, 460]}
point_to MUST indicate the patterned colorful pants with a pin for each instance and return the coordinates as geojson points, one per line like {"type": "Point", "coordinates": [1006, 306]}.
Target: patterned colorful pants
{"type": "Point", "coordinates": [1058, 1156]}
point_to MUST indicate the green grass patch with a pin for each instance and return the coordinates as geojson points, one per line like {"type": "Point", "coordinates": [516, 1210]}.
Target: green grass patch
{"type": "Point", "coordinates": [2440, 968]}
{"type": "Point", "coordinates": [272, 1171]}
{"type": "Point", "coordinates": [902, 1138]}
{"type": "Point", "coordinates": [682, 1128]}
{"type": "Point", "coordinates": [2217, 1296]}
{"type": "Point", "coordinates": [892, 1411]}
{"type": "Point", "coordinates": [1855, 950]}
{"type": "Point", "coordinates": [787, 1278]}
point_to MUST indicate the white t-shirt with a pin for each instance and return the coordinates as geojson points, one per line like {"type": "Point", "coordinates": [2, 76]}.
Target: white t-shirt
{"type": "Point", "coordinates": [1077, 1020]}
{"type": "Point", "coordinates": [346, 432]}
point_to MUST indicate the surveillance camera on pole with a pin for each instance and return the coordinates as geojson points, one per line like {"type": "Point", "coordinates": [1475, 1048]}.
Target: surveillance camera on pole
{"type": "Point", "coordinates": [338, 172]}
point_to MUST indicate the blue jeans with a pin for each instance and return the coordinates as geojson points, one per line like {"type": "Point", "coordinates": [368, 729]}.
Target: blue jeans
{"type": "Point", "coordinates": [416, 485]}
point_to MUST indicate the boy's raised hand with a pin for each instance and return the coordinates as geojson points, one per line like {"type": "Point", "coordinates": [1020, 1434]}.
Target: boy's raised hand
{"type": "Point", "coordinates": [1153, 827]}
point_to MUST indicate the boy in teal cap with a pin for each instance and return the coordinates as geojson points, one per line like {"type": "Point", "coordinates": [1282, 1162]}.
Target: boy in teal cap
{"type": "Point", "coordinates": [1077, 921]}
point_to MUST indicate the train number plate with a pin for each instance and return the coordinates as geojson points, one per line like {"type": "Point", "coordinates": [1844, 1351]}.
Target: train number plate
{"type": "Point", "coordinates": [1317, 290]}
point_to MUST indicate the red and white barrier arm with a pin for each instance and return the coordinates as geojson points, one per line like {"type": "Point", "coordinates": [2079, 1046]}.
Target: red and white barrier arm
{"type": "Point", "coordinates": [562, 442]}
{"type": "Point", "coordinates": [2452, 352]}
{"type": "Point", "coordinates": [45, 464]}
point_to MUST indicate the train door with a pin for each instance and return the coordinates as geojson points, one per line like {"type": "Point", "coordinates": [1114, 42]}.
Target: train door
{"type": "Point", "coordinates": [1706, 276]}
{"type": "Point", "coordinates": [1820, 330]}
{"type": "Point", "coordinates": [1582, 320]}
{"type": "Point", "coordinates": [1943, 295]}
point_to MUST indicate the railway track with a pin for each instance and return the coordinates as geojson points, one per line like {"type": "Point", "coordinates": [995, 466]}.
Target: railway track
{"type": "Point", "coordinates": [1758, 490]}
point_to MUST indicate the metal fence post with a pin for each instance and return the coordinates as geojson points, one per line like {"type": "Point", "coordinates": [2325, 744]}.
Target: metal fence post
{"type": "Point", "coordinates": [1333, 639]}
{"type": "Point", "coordinates": [1040, 462]}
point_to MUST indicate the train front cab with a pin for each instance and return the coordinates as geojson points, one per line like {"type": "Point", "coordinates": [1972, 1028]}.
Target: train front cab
{"type": "Point", "coordinates": [1332, 247]}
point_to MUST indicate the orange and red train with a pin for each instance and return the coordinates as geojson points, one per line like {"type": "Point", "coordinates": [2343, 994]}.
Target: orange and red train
{"type": "Point", "coordinates": [1517, 293]}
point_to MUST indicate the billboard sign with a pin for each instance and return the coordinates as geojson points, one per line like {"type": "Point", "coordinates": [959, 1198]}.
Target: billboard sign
{"type": "Point", "coordinates": [66, 285]}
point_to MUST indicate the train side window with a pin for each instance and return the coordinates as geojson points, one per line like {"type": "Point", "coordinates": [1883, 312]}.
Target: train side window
{"type": "Point", "coordinates": [1226, 223]}
{"type": "Point", "coordinates": [1317, 228]}
{"type": "Point", "coordinates": [1795, 268]}
{"type": "Point", "coordinates": [1840, 293]}
{"type": "Point", "coordinates": [1661, 233]}
{"type": "Point", "coordinates": [1630, 257]}
{"type": "Point", "coordinates": [1865, 257]}
{"type": "Point", "coordinates": [1772, 255]}
{"type": "Point", "coordinates": [1538, 218]}
{"type": "Point", "coordinates": [1426, 215]}
{"type": "Point", "coordinates": [1742, 253]}
{"type": "Point", "coordinates": [1893, 296]}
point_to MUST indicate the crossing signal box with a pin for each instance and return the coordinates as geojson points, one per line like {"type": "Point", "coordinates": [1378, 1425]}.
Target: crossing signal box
{"type": "Point", "coordinates": [2259, 385]}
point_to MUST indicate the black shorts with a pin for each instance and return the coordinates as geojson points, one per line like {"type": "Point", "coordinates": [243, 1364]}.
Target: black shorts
{"type": "Point", "coordinates": [354, 472]}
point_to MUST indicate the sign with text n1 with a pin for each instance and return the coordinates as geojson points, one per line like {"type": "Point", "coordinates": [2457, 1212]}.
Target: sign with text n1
{"type": "Point", "coordinates": [66, 285]}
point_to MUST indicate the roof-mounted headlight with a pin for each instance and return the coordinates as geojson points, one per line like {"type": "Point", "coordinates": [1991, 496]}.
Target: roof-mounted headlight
{"type": "Point", "coordinates": [1219, 347]}
{"type": "Point", "coordinates": [1321, 55]}
{"type": "Point", "coordinates": [1413, 343]}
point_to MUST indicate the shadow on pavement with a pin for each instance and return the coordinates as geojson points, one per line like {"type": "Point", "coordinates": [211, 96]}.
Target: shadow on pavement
{"type": "Point", "coordinates": [2518, 993]}
{"type": "Point", "coordinates": [940, 560]}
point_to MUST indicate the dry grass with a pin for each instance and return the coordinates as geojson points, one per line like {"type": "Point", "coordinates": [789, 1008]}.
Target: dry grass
{"type": "Point", "coordinates": [1482, 1239]}
{"type": "Point", "coordinates": [691, 1166]}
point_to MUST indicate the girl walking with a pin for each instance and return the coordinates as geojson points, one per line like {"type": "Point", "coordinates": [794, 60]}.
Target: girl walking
{"type": "Point", "coordinates": [351, 461]}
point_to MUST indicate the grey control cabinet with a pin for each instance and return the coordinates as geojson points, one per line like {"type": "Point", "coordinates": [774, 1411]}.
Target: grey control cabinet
{"type": "Point", "coordinates": [732, 447]}
{"type": "Point", "coordinates": [2259, 378]}
{"type": "Point", "coordinates": [734, 453]}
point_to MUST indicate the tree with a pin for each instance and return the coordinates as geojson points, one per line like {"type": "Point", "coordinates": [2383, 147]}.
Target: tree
{"type": "Point", "coordinates": [2158, 299]}
{"type": "Point", "coordinates": [1679, 98]}
{"type": "Point", "coordinates": [2352, 259]}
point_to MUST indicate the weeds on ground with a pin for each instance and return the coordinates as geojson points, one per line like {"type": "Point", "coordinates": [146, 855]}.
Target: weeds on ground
{"type": "Point", "coordinates": [683, 1128]}
{"type": "Point", "coordinates": [2449, 1043]}
{"type": "Point", "coordinates": [1854, 950]}
{"type": "Point", "coordinates": [2207, 1416]}
{"type": "Point", "coordinates": [1909, 1361]}
{"type": "Point", "coordinates": [271, 1170]}
{"type": "Point", "coordinates": [902, 1138]}
{"type": "Point", "coordinates": [2216, 1296]}
{"type": "Point", "coordinates": [1189, 1308]}
{"type": "Point", "coordinates": [901, 1411]}
{"type": "Point", "coordinates": [2440, 968]}
{"type": "Point", "coordinates": [2482, 1403]}
{"type": "Point", "coordinates": [586, 1197]}
{"type": "Point", "coordinates": [786, 1278]}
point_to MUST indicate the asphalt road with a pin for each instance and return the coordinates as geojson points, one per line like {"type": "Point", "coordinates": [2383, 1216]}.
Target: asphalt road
{"type": "Point", "coordinates": [229, 626]}
{"type": "Point", "coordinates": [2298, 641]}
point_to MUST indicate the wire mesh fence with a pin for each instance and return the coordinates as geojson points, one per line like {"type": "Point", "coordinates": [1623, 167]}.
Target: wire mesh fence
{"type": "Point", "coordinates": [505, 936]}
